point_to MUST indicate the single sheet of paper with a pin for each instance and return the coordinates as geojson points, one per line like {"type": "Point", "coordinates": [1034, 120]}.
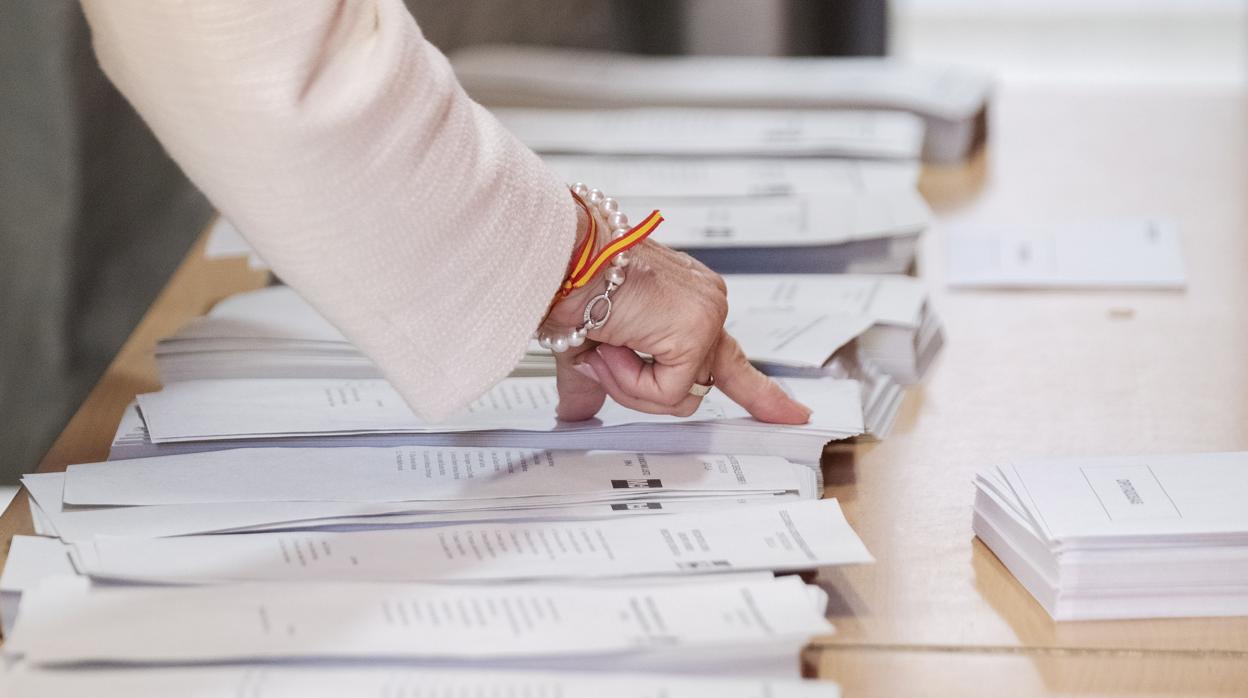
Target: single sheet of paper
{"type": "Point", "coordinates": [793, 220]}
{"type": "Point", "coordinates": [67, 621]}
{"type": "Point", "coordinates": [74, 523]}
{"type": "Point", "coordinates": [744, 132]}
{"type": "Point", "coordinates": [276, 681]}
{"type": "Point", "coordinates": [644, 177]}
{"type": "Point", "coordinates": [227, 409]}
{"type": "Point", "coordinates": [791, 536]}
{"type": "Point", "coordinates": [1126, 254]}
{"type": "Point", "coordinates": [415, 473]}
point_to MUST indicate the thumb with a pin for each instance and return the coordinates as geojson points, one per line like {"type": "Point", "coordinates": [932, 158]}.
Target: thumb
{"type": "Point", "coordinates": [580, 395]}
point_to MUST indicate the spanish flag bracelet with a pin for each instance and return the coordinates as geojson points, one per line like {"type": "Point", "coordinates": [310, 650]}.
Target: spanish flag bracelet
{"type": "Point", "coordinates": [586, 264]}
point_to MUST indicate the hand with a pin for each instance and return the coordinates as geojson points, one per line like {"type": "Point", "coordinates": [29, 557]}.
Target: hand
{"type": "Point", "coordinates": [673, 308]}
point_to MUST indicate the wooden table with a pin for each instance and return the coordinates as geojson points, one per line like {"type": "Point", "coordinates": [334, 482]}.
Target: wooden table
{"type": "Point", "coordinates": [1022, 374]}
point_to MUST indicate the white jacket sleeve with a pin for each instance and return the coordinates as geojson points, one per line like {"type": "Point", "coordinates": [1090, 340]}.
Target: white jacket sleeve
{"type": "Point", "coordinates": [337, 139]}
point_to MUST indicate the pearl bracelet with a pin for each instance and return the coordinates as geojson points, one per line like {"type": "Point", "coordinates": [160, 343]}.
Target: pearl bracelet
{"type": "Point", "coordinates": [598, 309]}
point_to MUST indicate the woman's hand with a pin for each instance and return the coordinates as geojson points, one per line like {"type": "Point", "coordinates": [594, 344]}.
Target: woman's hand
{"type": "Point", "coordinates": [673, 308]}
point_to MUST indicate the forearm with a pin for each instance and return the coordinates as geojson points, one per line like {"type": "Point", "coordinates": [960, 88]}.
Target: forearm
{"type": "Point", "coordinates": [336, 138]}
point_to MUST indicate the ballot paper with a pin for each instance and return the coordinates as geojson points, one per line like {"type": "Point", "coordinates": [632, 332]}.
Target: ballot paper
{"type": "Point", "coordinates": [810, 222]}
{"type": "Point", "coordinates": [792, 324]}
{"type": "Point", "coordinates": [730, 629]}
{"type": "Point", "coordinates": [277, 681]}
{"type": "Point", "coordinates": [515, 413]}
{"type": "Point", "coordinates": [787, 537]}
{"type": "Point", "coordinates": [642, 177]}
{"type": "Point", "coordinates": [717, 132]}
{"type": "Point", "coordinates": [438, 475]}
{"type": "Point", "coordinates": [952, 100]}
{"type": "Point", "coordinates": [74, 523]}
{"type": "Point", "coordinates": [31, 559]}
{"type": "Point", "coordinates": [1126, 537]}
{"type": "Point", "coordinates": [1144, 254]}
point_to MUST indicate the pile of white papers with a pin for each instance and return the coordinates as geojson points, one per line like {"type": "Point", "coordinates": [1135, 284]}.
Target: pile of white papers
{"type": "Point", "coordinates": [1128, 537]}
{"type": "Point", "coordinates": [267, 333]}
{"type": "Point", "coordinates": [743, 215]}
{"type": "Point", "coordinates": [951, 100]}
{"type": "Point", "coordinates": [793, 210]}
{"type": "Point", "coordinates": [793, 324]}
{"type": "Point", "coordinates": [742, 628]}
{"type": "Point", "coordinates": [1145, 254]}
{"type": "Point", "coordinates": [517, 413]}
{"type": "Point", "coordinates": [284, 681]}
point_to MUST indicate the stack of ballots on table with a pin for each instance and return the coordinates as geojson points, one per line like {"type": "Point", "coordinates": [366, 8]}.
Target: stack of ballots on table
{"type": "Point", "coordinates": [951, 100]}
{"type": "Point", "coordinates": [1124, 537]}
{"type": "Point", "coordinates": [750, 190]}
{"type": "Point", "coordinates": [359, 538]}
{"type": "Point", "coordinates": [876, 329]}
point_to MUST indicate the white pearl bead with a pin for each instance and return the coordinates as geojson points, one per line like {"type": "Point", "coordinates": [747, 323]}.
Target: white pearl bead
{"type": "Point", "coordinates": [618, 220]}
{"type": "Point", "coordinates": [609, 206]}
{"type": "Point", "coordinates": [559, 344]}
{"type": "Point", "coordinates": [615, 275]}
{"type": "Point", "coordinates": [544, 341]}
{"type": "Point", "coordinates": [619, 233]}
{"type": "Point", "coordinates": [577, 338]}
{"type": "Point", "coordinates": [580, 189]}
{"type": "Point", "coordinates": [595, 197]}
{"type": "Point", "coordinates": [621, 260]}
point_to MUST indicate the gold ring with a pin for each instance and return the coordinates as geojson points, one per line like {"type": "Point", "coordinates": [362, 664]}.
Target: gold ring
{"type": "Point", "coordinates": [701, 389]}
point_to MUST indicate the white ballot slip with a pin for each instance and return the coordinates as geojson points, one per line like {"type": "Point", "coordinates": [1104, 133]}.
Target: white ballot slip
{"type": "Point", "coordinates": [809, 222]}
{"type": "Point", "coordinates": [517, 412]}
{"type": "Point", "coordinates": [644, 177]}
{"type": "Point", "coordinates": [788, 537]}
{"type": "Point", "coordinates": [1144, 254]}
{"type": "Point", "coordinates": [389, 682]}
{"type": "Point", "coordinates": [75, 523]}
{"type": "Point", "coordinates": [715, 132]}
{"type": "Point", "coordinates": [421, 474]}
{"type": "Point", "coordinates": [31, 559]}
{"type": "Point", "coordinates": [951, 100]}
{"type": "Point", "coordinates": [1126, 537]}
{"type": "Point", "coordinates": [65, 621]}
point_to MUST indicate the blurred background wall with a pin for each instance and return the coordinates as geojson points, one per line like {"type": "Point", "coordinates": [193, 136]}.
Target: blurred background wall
{"type": "Point", "coordinates": [94, 217]}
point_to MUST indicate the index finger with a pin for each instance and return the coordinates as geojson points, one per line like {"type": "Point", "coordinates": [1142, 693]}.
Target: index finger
{"type": "Point", "coordinates": [747, 386]}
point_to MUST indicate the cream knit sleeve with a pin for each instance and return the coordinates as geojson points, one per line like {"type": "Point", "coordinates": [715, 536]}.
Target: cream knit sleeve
{"type": "Point", "coordinates": [337, 139]}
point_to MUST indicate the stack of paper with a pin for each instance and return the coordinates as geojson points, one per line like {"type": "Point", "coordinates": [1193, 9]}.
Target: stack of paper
{"type": "Point", "coordinates": [743, 215]}
{"type": "Point", "coordinates": [952, 101]}
{"type": "Point", "coordinates": [204, 415]}
{"type": "Point", "coordinates": [799, 219]}
{"type": "Point", "coordinates": [793, 324]}
{"type": "Point", "coordinates": [1129, 537]}
{"type": "Point", "coordinates": [368, 488]}
{"type": "Point", "coordinates": [284, 681]}
{"type": "Point", "coordinates": [1144, 254]}
{"type": "Point", "coordinates": [742, 628]}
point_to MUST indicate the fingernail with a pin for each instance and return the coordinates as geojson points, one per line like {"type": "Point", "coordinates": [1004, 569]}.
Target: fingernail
{"type": "Point", "coordinates": [587, 371]}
